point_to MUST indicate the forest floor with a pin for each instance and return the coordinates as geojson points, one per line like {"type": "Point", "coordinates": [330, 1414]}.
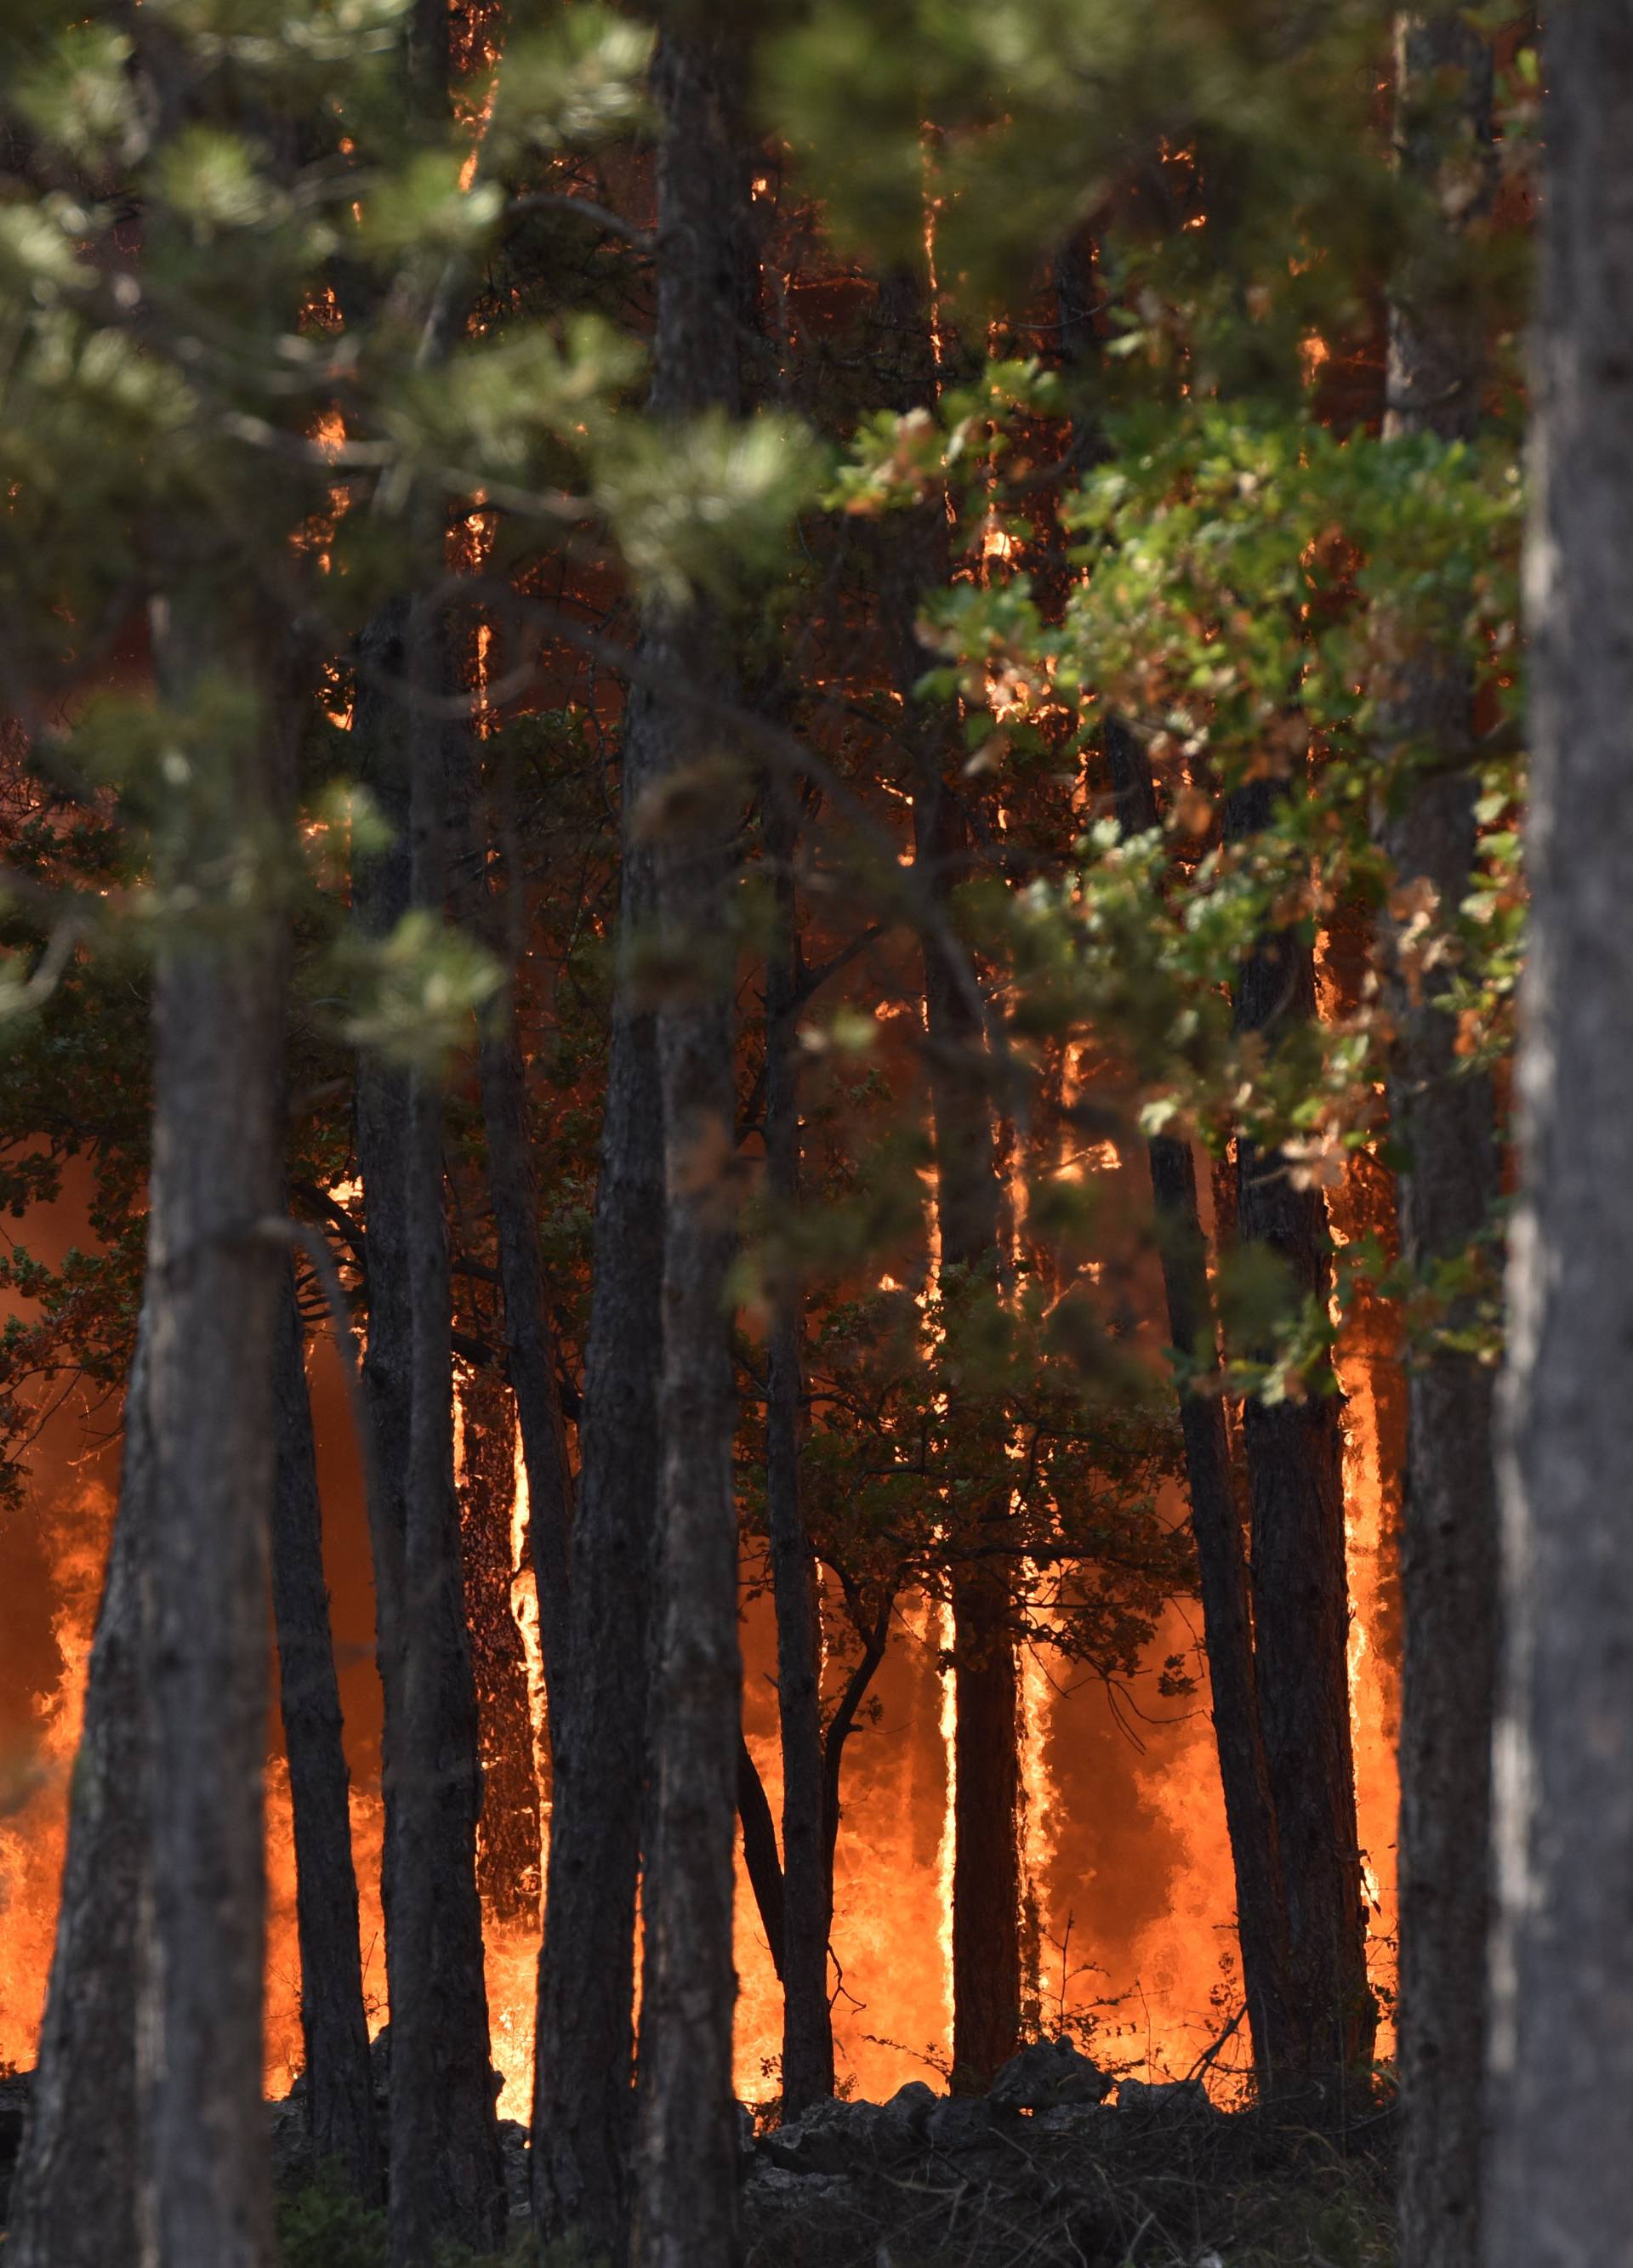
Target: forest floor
{"type": "Point", "coordinates": [1242, 2191]}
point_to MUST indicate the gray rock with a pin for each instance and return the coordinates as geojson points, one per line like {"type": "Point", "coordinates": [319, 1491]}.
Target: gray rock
{"type": "Point", "coordinates": [829, 2137]}
{"type": "Point", "coordinates": [1075, 2121]}
{"type": "Point", "coordinates": [903, 2121]}
{"type": "Point", "coordinates": [1048, 2075]}
{"type": "Point", "coordinates": [514, 2151]}
{"type": "Point", "coordinates": [962, 2122]}
{"type": "Point", "coordinates": [1174, 2098]}
{"type": "Point", "coordinates": [771, 2185]}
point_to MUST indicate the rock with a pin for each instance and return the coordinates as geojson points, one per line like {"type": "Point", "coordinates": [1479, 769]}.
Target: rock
{"type": "Point", "coordinates": [747, 2139]}
{"type": "Point", "coordinates": [1176, 2098]}
{"type": "Point", "coordinates": [903, 2121]}
{"type": "Point", "coordinates": [829, 2137]}
{"type": "Point", "coordinates": [961, 2122]}
{"type": "Point", "coordinates": [514, 2150]}
{"type": "Point", "coordinates": [1075, 2121]}
{"type": "Point", "coordinates": [1048, 2075]}
{"type": "Point", "coordinates": [772, 2186]}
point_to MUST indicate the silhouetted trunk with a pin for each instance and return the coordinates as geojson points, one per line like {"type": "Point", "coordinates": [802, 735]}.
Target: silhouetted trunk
{"type": "Point", "coordinates": [340, 2087]}
{"type": "Point", "coordinates": [583, 2103]}
{"type": "Point", "coordinates": [807, 1880]}
{"type": "Point", "coordinates": [214, 1263]}
{"type": "Point", "coordinates": [761, 1860]}
{"type": "Point", "coordinates": [446, 2176]}
{"type": "Point", "coordinates": [531, 1350]}
{"type": "Point", "coordinates": [1559, 2167]}
{"type": "Point", "coordinates": [986, 1818]}
{"type": "Point", "coordinates": [1443, 1123]}
{"type": "Point", "coordinates": [529, 1339]}
{"type": "Point", "coordinates": [507, 1840]}
{"type": "Point", "coordinates": [686, 2185]}
{"type": "Point", "coordinates": [1300, 1584]}
{"type": "Point", "coordinates": [1216, 1526]}
{"type": "Point", "coordinates": [73, 2202]}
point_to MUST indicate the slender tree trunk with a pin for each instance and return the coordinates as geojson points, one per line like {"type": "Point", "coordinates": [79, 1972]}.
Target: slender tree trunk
{"type": "Point", "coordinates": [808, 1880]}
{"type": "Point", "coordinates": [340, 2087]}
{"type": "Point", "coordinates": [761, 1859]}
{"type": "Point", "coordinates": [529, 1341]}
{"type": "Point", "coordinates": [73, 2202]}
{"type": "Point", "coordinates": [446, 2175]}
{"type": "Point", "coordinates": [1300, 1583]}
{"type": "Point", "coordinates": [1560, 2172]}
{"type": "Point", "coordinates": [214, 1272]}
{"type": "Point", "coordinates": [531, 1350]}
{"type": "Point", "coordinates": [987, 1793]}
{"type": "Point", "coordinates": [583, 2104]}
{"type": "Point", "coordinates": [1216, 1526]}
{"type": "Point", "coordinates": [508, 1843]}
{"type": "Point", "coordinates": [686, 2185]}
{"type": "Point", "coordinates": [1443, 1123]}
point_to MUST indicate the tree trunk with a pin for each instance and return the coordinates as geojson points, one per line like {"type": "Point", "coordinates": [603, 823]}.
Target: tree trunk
{"type": "Point", "coordinates": [1560, 2172]}
{"type": "Point", "coordinates": [583, 2101]}
{"type": "Point", "coordinates": [507, 1841]}
{"type": "Point", "coordinates": [531, 1350]}
{"type": "Point", "coordinates": [686, 2177]}
{"type": "Point", "coordinates": [73, 2202]}
{"type": "Point", "coordinates": [529, 1340]}
{"type": "Point", "coordinates": [214, 1272]}
{"type": "Point", "coordinates": [447, 2182]}
{"type": "Point", "coordinates": [340, 2087]}
{"type": "Point", "coordinates": [807, 1880]}
{"type": "Point", "coordinates": [1300, 1584]}
{"type": "Point", "coordinates": [1216, 1526]}
{"type": "Point", "coordinates": [1443, 1123]}
{"type": "Point", "coordinates": [987, 1770]}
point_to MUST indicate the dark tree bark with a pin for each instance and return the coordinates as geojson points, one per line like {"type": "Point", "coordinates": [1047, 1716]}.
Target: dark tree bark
{"type": "Point", "coordinates": [340, 2087]}
{"type": "Point", "coordinates": [762, 1861]}
{"type": "Point", "coordinates": [214, 1261]}
{"type": "Point", "coordinates": [446, 2183]}
{"type": "Point", "coordinates": [73, 2202]}
{"type": "Point", "coordinates": [1300, 1583]}
{"type": "Point", "coordinates": [686, 2190]}
{"type": "Point", "coordinates": [1216, 1526]}
{"type": "Point", "coordinates": [807, 1877]}
{"type": "Point", "coordinates": [529, 1340]}
{"type": "Point", "coordinates": [530, 1349]}
{"type": "Point", "coordinates": [583, 2104]}
{"type": "Point", "coordinates": [509, 1850]}
{"type": "Point", "coordinates": [1443, 1123]}
{"type": "Point", "coordinates": [987, 1840]}
{"type": "Point", "coordinates": [1560, 2172]}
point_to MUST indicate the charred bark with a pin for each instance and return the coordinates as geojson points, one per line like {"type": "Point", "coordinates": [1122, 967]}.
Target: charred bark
{"type": "Point", "coordinates": [214, 1261]}
{"type": "Point", "coordinates": [73, 2202]}
{"type": "Point", "coordinates": [446, 2177]}
{"type": "Point", "coordinates": [529, 1340]}
{"type": "Point", "coordinates": [686, 2190]}
{"type": "Point", "coordinates": [1300, 1583]}
{"type": "Point", "coordinates": [987, 1837]}
{"type": "Point", "coordinates": [583, 2104]}
{"type": "Point", "coordinates": [1443, 1120]}
{"type": "Point", "coordinates": [340, 2087]}
{"type": "Point", "coordinates": [807, 1875]}
{"type": "Point", "coordinates": [508, 1849]}
{"type": "Point", "coordinates": [1216, 1526]}
{"type": "Point", "coordinates": [1560, 2173]}
{"type": "Point", "coordinates": [761, 1859]}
